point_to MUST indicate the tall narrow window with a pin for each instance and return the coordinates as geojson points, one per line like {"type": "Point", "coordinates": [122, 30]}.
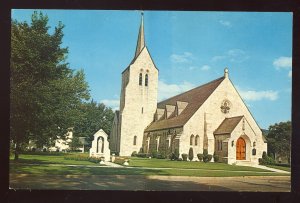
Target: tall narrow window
{"type": "Point", "coordinates": [146, 80]}
{"type": "Point", "coordinates": [192, 140]}
{"type": "Point", "coordinates": [134, 140]}
{"type": "Point", "coordinates": [197, 140]}
{"type": "Point", "coordinates": [157, 143]}
{"type": "Point", "coordinates": [140, 79]}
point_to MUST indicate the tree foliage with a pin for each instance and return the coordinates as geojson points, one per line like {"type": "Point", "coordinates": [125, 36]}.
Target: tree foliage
{"type": "Point", "coordinates": [279, 139]}
{"type": "Point", "coordinates": [93, 117]}
{"type": "Point", "coordinates": [45, 91]}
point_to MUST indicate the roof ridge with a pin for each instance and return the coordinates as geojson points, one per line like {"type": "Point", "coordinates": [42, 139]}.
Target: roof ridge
{"type": "Point", "coordinates": [215, 80]}
{"type": "Point", "coordinates": [232, 127]}
{"type": "Point", "coordinates": [234, 117]}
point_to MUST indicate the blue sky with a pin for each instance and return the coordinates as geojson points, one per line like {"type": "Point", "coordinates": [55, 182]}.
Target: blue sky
{"type": "Point", "coordinates": [189, 49]}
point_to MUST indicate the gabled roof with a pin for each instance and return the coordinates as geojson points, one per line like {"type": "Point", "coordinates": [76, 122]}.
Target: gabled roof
{"type": "Point", "coordinates": [195, 98]}
{"type": "Point", "coordinates": [228, 125]}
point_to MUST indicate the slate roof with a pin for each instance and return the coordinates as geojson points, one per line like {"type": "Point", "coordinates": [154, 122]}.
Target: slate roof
{"type": "Point", "coordinates": [228, 125]}
{"type": "Point", "coordinates": [195, 98]}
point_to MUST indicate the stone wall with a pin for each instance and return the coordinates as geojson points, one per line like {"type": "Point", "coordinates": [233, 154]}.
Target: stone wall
{"type": "Point", "coordinates": [162, 141]}
{"type": "Point", "coordinates": [209, 116]}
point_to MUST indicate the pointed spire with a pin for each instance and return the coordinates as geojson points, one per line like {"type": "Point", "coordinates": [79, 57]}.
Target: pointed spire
{"type": "Point", "coordinates": [141, 38]}
{"type": "Point", "coordinates": [226, 72]}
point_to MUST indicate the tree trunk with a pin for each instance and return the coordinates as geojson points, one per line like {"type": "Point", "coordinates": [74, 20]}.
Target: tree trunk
{"type": "Point", "coordinates": [17, 149]}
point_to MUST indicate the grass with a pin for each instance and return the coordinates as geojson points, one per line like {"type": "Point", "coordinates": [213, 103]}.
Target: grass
{"type": "Point", "coordinates": [48, 159]}
{"type": "Point", "coordinates": [57, 165]}
{"type": "Point", "coordinates": [80, 170]}
{"type": "Point", "coordinates": [165, 163]}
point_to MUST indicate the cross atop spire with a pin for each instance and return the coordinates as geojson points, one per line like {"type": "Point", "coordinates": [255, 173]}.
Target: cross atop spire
{"type": "Point", "coordinates": [141, 38]}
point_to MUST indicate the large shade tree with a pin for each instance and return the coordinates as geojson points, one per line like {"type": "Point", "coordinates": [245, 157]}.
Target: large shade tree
{"type": "Point", "coordinates": [94, 117]}
{"type": "Point", "coordinates": [45, 91]}
{"type": "Point", "coordinates": [279, 139]}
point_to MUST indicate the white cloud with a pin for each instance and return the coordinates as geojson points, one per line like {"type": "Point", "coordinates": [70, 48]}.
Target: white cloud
{"type": "Point", "coordinates": [283, 62]}
{"type": "Point", "coordinates": [182, 58]}
{"type": "Point", "coordinates": [225, 23]}
{"type": "Point", "coordinates": [252, 95]}
{"type": "Point", "coordinates": [218, 58]}
{"type": "Point", "coordinates": [205, 67]}
{"type": "Point", "coordinates": [290, 74]}
{"type": "Point", "coordinates": [168, 90]}
{"type": "Point", "coordinates": [233, 55]}
{"type": "Point", "coordinates": [113, 103]}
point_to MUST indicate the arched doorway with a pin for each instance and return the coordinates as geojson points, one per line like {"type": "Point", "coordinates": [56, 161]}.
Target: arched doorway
{"type": "Point", "coordinates": [240, 149]}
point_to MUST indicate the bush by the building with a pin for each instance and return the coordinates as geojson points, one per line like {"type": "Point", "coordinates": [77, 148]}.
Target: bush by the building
{"type": "Point", "coordinates": [191, 154]}
{"type": "Point", "coordinates": [184, 157]}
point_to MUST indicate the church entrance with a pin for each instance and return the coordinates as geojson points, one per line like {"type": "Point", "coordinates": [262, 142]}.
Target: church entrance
{"type": "Point", "coordinates": [240, 149]}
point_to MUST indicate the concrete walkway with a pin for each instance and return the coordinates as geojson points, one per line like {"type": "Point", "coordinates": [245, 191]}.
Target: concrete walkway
{"type": "Point", "coordinates": [270, 169]}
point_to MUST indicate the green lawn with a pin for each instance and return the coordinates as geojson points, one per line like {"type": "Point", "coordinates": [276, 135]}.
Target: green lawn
{"type": "Point", "coordinates": [49, 159]}
{"type": "Point", "coordinates": [165, 163]}
{"type": "Point", "coordinates": [57, 165]}
{"type": "Point", "coordinates": [80, 170]}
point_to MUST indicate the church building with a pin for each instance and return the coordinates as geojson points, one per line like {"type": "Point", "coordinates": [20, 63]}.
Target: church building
{"type": "Point", "coordinates": [212, 116]}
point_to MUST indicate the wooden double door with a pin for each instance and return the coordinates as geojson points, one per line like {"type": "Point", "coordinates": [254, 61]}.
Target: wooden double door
{"type": "Point", "coordinates": [240, 149]}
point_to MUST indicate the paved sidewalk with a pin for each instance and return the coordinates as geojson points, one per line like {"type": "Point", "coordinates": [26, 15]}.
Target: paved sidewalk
{"type": "Point", "coordinates": [271, 169]}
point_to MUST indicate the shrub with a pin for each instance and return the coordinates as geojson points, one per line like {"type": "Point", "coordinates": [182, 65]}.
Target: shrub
{"type": "Point", "coordinates": [184, 157]}
{"type": "Point", "coordinates": [176, 152]}
{"type": "Point", "coordinates": [179, 159]}
{"type": "Point", "coordinates": [206, 157]}
{"type": "Point", "coordinates": [142, 155]}
{"type": "Point", "coordinates": [209, 157]}
{"type": "Point", "coordinates": [216, 157]}
{"type": "Point", "coordinates": [121, 160]}
{"type": "Point", "coordinates": [154, 154]}
{"type": "Point", "coordinates": [266, 160]}
{"type": "Point", "coordinates": [200, 157]}
{"type": "Point", "coordinates": [191, 154]}
{"type": "Point", "coordinates": [205, 152]}
{"type": "Point", "coordinates": [264, 155]}
{"type": "Point", "coordinates": [93, 159]}
{"type": "Point", "coordinates": [160, 156]}
{"type": "Point", "coordinates": [172, 156]}
{"type": "Point", "coordinates": [82, 157]}
{"type": "Point", "coordinates": [134, 153]}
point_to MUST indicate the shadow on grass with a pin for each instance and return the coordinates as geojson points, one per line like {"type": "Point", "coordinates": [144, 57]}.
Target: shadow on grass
{"type": "Point", "coordinates": [104, 182]}
{"type": "Point", "coordinates": [32, 161]}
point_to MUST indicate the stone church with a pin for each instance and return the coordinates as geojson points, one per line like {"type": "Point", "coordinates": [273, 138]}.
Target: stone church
{"type": "Point", "coordinates": [212, 116]}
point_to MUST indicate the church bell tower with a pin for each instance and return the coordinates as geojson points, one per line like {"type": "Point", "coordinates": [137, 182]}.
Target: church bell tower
{"type": "Point", "coordinates": [138, 100]}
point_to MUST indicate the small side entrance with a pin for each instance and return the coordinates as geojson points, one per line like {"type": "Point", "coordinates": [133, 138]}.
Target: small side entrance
{"type": "Point", "coordinates": [240, 149]}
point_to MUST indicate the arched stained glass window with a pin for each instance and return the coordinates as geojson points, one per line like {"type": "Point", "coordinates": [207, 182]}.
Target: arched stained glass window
{"type": "Point", "coordinates": [140, 79]}
{"type": "Point", "coordinates": [192, 140]}
{"type": "Point", "coordinates": [146, 80]}
{"type": "Point", "coordinates": [197, 140]}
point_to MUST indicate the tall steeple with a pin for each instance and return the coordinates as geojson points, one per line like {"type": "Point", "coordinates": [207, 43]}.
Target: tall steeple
{"type": "Point", "coordinates": [141, 38]}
